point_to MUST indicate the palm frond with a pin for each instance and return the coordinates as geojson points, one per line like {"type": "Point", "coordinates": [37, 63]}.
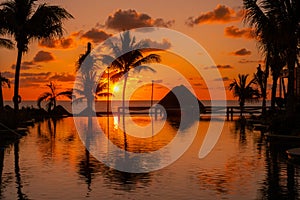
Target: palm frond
{"type": "Point", "coordinates": [68, 94]}
{"type": "Point", "coordinates": [46, 22]}
{"type": "Point", "coordinates": [4, 81]}
{"type": "Point", "coordinates": [6, 43]}
{"type": "Point", "coordinates": [152, 58]}
{"type": "Point", "coordinates": [44, 97]}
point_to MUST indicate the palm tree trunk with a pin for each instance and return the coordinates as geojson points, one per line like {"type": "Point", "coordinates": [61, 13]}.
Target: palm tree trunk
{"type": "Point", "coordinates": [17, 80]}
{"type": "Point", "coordinates": [1, 164]}
{"type": "Point", "coordinates": [1, 97]}
{"type": "Point", "coordinates": [291, 79]}
{"type": "Point", "coordinates": [242, 104]}
{"type": "Point", "coordinates": [123, 105]}
{"type": "Point", "coordinates": [274, 88]}
{"type": "Point", "coordinates": [264, 102]}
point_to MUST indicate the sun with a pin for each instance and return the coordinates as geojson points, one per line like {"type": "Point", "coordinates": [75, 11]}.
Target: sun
{"type": "Point", "coordinates": [116, 88]}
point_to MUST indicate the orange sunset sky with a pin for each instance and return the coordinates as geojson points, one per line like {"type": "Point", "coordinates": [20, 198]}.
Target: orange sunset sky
{"type": "Point", "coordinates": [216, 25]}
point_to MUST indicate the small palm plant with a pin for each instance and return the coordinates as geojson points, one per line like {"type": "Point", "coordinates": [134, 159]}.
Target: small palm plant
{"type": "Point", "coordinates": [3, 81]}
{"type": "Point", "coordinates": [244, 91]}
{"type": "Point", "coordinates": [52, 96]}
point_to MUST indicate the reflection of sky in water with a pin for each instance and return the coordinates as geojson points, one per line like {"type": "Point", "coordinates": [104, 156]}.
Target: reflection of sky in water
{"type": "Point", "coordinates": [53, 164]}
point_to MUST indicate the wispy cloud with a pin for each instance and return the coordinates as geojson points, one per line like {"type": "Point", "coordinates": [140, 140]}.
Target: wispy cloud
{"type": "Point", "coordinates": [241, 52]}
{"type": "Point", "coordinates": [223, 79]}
{"type": "Point", "coordinates": [220, 67]}
{"type": "Point", "coordinates": [235, 32]}
{"type": "Point", "coordinates": [164, 44]}
{"type": "Point", "coordinates": [244, 61]}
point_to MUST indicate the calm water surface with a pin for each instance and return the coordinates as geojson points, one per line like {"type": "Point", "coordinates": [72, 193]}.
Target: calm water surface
{"type": "Point", "coordinates": [52, 163]}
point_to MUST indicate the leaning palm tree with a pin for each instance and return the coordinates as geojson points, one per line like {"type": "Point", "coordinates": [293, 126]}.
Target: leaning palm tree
{"type": "Point", "coordinates": [130, 56]}
{"type": "Point", "coordinates": [3, 81]}
{"type": "Point", "coordinates": [26, 21]}
{"type": "Point", "coordinates": [244, 91]}
{"type": "Point", "coordinates": [51, 97]}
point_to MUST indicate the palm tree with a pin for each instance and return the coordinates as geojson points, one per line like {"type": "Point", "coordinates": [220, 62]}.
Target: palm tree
{"type": "Point", "coordinates": [130, 56]}
{"type": "Point", "coordinates": [260, 79]}
{"type": "Point", "coordinates": [243, 90]}
{"type": "Point", "coordinates": [88, 87]}
{"type": "Point", "coordinates": [52, 96]}
{"type": "Point", "coordinates": [276, 25]}
{"type": "Point", "coordinates": [26, 21]}
{"type": "Point", "coordinates": [3, 81]}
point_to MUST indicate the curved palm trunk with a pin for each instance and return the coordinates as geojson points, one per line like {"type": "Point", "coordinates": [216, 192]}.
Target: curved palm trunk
{"type": "Point", "coordinates": [17, 80]}
{"type": "Point", "coordinates": [1, 97]}
{"type": "Point", "coordinates": [123, 105]}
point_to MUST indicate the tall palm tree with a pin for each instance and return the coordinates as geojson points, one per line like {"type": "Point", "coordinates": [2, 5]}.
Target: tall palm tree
{"type": "Point", "coordinates": [276, 25]}
{"type": "Point", "coordinates": [26, 21]}
{"type": "Point", "coordinates": [52, 96]}
{"type": "Point", "coordinates": [130, 56]}
{"type": "Point", "coordinates": [3, 81]}
{"type": "Point", "coordinates": [243, 90]}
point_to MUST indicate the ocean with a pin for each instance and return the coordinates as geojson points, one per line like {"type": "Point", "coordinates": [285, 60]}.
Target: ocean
{"type": "Point", "coordinates": [101, 106]}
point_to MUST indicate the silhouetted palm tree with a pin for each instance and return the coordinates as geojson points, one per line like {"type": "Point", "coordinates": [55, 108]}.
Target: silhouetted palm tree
{"type": "Point", "coordinates": [276, 25]}
{"type": "Point", "coordinates": [26, 21]}
{"type": "Point", "coordinates": [129, 55]}
{"type": "Point", "coordinates": [3, 81]}
{"type": "Point", "coordinates": [260, 79]}
{"type": "Point", "coordinates": [52, 96]}
{"type": "Point", "coordinates": [243, 90]}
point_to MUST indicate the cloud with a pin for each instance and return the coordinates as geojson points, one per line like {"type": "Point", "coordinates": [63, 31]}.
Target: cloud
{"type": "Point", "coordinates": [33, 79]}
{"type": "Point", "coordinates": [219, 67]}
{"type": "Point", "coordinates": [26, 65]}
{"type": "Point", "coordinates": [8, 74]}
{"type": "Point", "coordinates": [165, 44]}
{"type": "Point", "coordinates": [43, 56]}
{"type": "Point", "coordinates": [129, 19]}
{"type": "Point", "coordinates": [95, 35]}
{"type": "Point", "coordinates": [36, 79]}
{"type": "Point", "coordinates": [241, 52]}
{"type": "Point", "coordinates": [198, 84]}
{"type": "Point", "coordinates": [46, 74]}
{"type": "Point", "coordinates": [244, 61]}
{"type": "Point", "coordinates": [221, 14]}
{"type": "Point", "coordinates": [62, 77]}
{"type": "Point", "coordinates": [223, 79]}
{"type": "Point", "coordinates": [63, 43]}
{"type": "Point", "coordinates": [235, 32]}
